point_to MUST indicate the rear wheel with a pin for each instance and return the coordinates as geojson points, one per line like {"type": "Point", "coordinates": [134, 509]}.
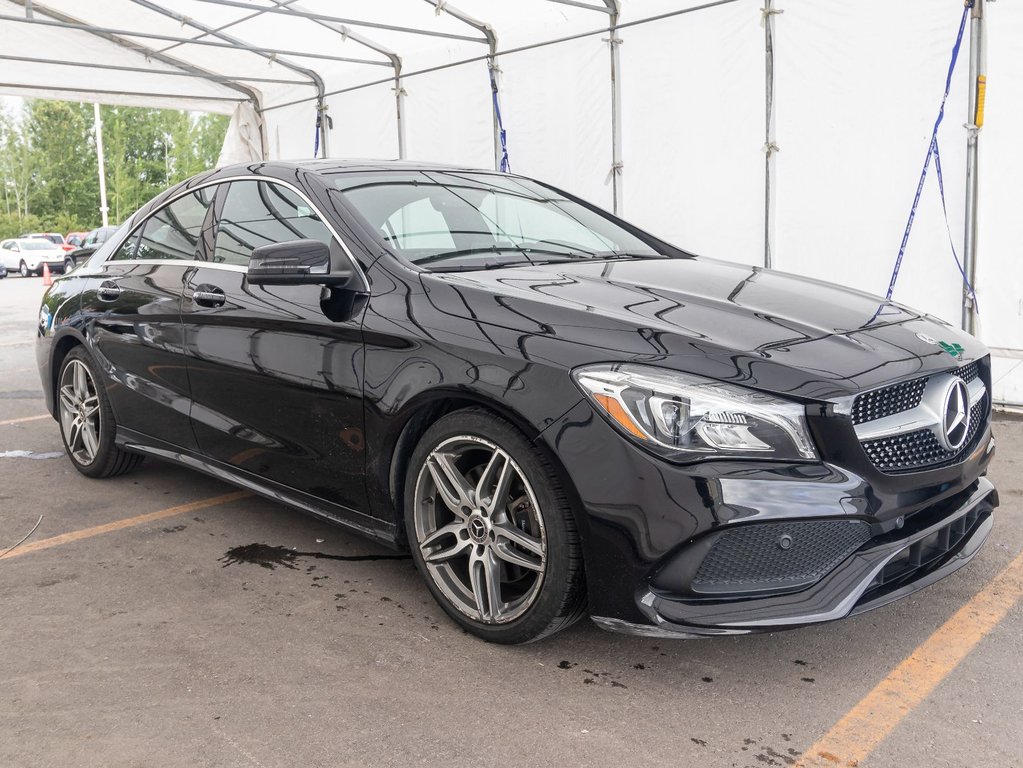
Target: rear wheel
{"type": "Point", "coordinates": [87, 423]}
{"type": "Point", "coordinates": [492, 530]}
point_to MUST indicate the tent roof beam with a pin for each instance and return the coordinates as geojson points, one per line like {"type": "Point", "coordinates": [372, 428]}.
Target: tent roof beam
{"type": "Point", "coordinates": [230, 24]}
{"type": "Point", "coordinates": [348, 21]}
{"type": "Point", "coordinates": [59, 19]}
{"type": "Point", "coordinates": [103, 31]}
{"type": "Point", "coordinates": [119, 92]}
{"type": "Point", "coordinates": [223, 79]}
{"type": "Point", "coordinates": [489, 35]}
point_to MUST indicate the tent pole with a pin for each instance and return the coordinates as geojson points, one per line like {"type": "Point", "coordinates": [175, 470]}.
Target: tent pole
{"type": "Point", "coordinates": [770, 147]}
{"type": "Point", "coordinates": [399, 106]}
{"type": "Point", "coordinates": [98, 123]}
{"type": "Point", "coordinates": [495, 87]}
{"type": "Point", "coordinates": [614, 43]}
{"type": "Point", "coordinates": [974, 122]}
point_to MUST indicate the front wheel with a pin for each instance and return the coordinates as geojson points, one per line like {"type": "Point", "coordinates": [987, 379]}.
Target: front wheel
{"type": "Point", "coordinates": [491, 528]}
{"type": "Point", "coordinates": [68, 265]}
{"type": "Point", "coordinates": [23, 269]}
{"type": "Point", "coordinates": [87, 423]}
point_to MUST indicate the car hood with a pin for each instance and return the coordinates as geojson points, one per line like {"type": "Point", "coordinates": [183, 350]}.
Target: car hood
{"type": "Point", "coordinates": [760, 328]}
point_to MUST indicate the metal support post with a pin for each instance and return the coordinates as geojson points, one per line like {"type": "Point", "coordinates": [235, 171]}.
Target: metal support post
{"type": "Point", "coordinates": [768, 12]}
{"type": "Point", "coordinates": [617, 167]}
{"type": "Point", "coordinates": [978, 83]}
{"type": "Point", "coordinates": [98, 124]}
{"type": "Point", "coordinates": [399, 107]}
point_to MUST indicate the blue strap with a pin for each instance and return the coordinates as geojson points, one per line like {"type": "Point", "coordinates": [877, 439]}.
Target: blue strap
{"type": "Point", "coordinates": [316, 139]}
{"type": "Point", "coordinates": [505, 163]}
{"type": "Point", "coordinates": [932, 150]}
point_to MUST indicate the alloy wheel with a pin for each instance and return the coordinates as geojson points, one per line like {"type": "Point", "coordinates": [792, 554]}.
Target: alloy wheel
{"type": "Point", "coordinates": [79, 412]}
{"type": "Point", "coordinates": [480, 530]}
{"type": "Point", "coordinates": [23, 268]}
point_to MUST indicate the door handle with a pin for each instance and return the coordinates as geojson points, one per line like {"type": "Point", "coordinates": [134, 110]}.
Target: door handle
{"type": "Point", "coordinates": [109, 290]}
{"type": "Point", "coordinates": [208, 296]}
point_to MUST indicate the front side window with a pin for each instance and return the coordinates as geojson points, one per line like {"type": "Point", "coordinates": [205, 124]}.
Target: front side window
{"type": "Point", "coordinates": [259, 213]}
{"type": "Point", "coordinates": [459, 220]}
{"type": "Point", "coordinates": [174, 232]}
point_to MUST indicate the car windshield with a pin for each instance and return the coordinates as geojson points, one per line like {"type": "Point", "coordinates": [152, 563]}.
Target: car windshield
{"type": "Point", "coordinates": [449, 220]}
{"type": "Point", "coordinates": [55, 239]}
{"type": "Point", "coordinates": [36, 245]}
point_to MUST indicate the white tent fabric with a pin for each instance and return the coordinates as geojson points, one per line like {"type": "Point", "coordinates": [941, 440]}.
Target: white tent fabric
{"type": "Point", "coordinates": [244, 142]}
{"type": "Point", "coordinates": [856, 94]}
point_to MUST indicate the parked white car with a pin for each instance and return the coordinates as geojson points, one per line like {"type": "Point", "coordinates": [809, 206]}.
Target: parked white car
{"type": "Point", "coordinates": [28, 255]}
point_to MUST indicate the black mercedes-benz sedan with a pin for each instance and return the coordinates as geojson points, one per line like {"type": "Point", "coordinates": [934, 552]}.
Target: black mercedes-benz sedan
{"type": "Point", "coordinates": [558, 413]}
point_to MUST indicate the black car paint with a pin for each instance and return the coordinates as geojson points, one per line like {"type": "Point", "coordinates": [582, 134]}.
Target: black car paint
{"type": "Point", "coordinates": [328, 426]}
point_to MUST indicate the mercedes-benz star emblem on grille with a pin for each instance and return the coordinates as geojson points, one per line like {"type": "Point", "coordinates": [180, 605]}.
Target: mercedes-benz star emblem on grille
{"type": "Point", "coordinates": [955, 422]}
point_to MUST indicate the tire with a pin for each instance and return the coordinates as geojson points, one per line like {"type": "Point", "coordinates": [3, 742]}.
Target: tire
{"type": "Point", "coordinates": [507, 567]}
{"type": "Point", "coordinates": [23, 269]}
{"type": "Point", "coordinates": [69, 264]}
{"type": "Point", "coordinates": [87, 424]}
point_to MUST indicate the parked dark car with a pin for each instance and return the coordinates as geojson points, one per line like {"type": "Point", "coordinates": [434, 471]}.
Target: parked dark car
{"type": "Point", "coordinates": [557, 413]}
{"type": "Point", "coordinates": [90, 243]}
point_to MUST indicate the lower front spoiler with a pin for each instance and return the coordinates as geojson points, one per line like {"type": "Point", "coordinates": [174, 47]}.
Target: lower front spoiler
{"type": "Point", "coordinates": [857, 585]}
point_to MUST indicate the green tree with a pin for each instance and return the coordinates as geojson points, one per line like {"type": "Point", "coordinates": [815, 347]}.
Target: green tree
{"type": "Point", "coordinates": [63, 159]}
{"type": "Point", "coordinates": [48, 161]}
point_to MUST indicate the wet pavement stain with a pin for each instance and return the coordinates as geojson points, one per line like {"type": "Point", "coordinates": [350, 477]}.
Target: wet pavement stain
{"type": "Point", "coordinates": [270, 557]}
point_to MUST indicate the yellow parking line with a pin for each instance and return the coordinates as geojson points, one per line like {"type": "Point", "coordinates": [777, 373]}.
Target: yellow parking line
{"type": "Point", "coordinates": [23, 419]}
{"type": "Point", "coordinates": [117, 525]}
{"type": "Point", "coordinates": [868, 723]}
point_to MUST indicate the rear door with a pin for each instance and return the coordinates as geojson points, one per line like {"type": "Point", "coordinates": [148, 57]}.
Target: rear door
{"type": "Point", "coordinates": [134, 307]}
{"type": "Point", "coordinates": [276, 385]}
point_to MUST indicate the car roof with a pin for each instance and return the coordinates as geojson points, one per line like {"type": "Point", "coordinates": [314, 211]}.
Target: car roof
{"type": "Point", "coordinates": [30, 240]}
{"type": "Point", "coordinates": [352, 165]}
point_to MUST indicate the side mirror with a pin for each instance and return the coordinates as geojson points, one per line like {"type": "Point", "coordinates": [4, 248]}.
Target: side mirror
{"type": "Point", "coordinates": [296, 262]}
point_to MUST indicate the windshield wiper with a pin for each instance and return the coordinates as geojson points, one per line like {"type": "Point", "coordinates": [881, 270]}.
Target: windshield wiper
{"type": "Point", "coordinates": [495, 249]}
{"type": "Point", "coordinates": [608, 255]}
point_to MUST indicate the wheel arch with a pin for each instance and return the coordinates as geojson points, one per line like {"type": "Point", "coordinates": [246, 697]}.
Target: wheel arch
{"type": "Point", "coordinates": [411, 423]}
{"type": "Point", "coordinates": [62, 346]}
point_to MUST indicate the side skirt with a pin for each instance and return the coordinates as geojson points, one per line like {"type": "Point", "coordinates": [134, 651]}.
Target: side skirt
{"type": "Point", "coordinates": [371, 527]}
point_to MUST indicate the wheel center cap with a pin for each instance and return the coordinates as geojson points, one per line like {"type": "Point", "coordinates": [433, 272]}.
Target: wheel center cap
{"type": "Point", "coordinates": [478, 529]}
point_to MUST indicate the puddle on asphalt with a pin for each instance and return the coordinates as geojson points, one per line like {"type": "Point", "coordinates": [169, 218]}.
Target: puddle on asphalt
{"type": "Point", "coordinates": [266, 556]}
{"type": "Point", "coordinates": [31, 455]}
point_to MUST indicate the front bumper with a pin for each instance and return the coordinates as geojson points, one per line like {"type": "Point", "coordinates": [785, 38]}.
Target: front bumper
{"type": "Point", "coordinates": [643, 517]}
{"type": "Point", "coordinates": [885, 569]}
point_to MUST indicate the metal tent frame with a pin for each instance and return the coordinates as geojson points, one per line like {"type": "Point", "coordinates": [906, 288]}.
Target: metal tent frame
{"type": "Point", "coordinates": [244, 77]}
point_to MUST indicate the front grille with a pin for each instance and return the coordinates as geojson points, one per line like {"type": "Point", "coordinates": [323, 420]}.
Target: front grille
{"type": "Point", "coordinates": [884, 402]}
{"type": "Point", "coordinates": [904, 453]}
{"type": "Point", "coordinates": [777, 555]}
{"type": "Point", "coordinates": [917, 450]}
{"type": "Point", "coordinates": [897, 398]}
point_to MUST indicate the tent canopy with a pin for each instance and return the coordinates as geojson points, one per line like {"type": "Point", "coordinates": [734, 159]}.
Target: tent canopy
{"type": "Point", "coordinates": [658, 109]}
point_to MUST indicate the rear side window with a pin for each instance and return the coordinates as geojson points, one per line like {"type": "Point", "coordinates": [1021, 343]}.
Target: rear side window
{"type": "Point", "coordinates": [259, 213]}
{"type": "Point", "coordinates": [174, 232]}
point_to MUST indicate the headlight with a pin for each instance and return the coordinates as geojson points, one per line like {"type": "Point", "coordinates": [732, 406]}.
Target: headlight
{"type": "Point", "coordinates": [687, 418]}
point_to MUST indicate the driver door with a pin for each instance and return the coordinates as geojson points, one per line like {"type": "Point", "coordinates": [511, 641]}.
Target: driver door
{"type": "Point", "coordinates": [276, 386]}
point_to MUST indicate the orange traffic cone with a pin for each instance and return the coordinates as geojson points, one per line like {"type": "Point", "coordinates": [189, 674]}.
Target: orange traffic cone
{"type": "Point", "coordinates": [47, 277]}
